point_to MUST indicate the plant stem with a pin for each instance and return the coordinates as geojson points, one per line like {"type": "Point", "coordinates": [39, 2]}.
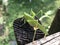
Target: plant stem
{"type": "Point", "coordinates": [34, 35]}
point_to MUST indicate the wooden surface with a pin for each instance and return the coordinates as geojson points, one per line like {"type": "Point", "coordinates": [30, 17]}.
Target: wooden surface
{"type": "Point", "coordinates": [53, 39]}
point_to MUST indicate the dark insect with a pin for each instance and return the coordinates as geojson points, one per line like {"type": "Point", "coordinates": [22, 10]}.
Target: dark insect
{"type": "Point", "coordinates": [24, 32]}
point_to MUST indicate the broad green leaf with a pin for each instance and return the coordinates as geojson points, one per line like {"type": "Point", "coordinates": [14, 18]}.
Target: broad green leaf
{"type": "Point", "coordinates": [27, 16]}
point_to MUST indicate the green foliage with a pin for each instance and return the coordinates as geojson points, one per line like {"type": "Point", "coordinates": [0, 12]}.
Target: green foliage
{"type": "Point", "coordinates": [1, 20]}
{"type": "Point", "coordinates": [0, 1]}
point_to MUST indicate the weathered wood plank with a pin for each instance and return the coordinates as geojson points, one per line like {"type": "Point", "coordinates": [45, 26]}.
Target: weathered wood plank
{"type": "Point", "coordinates": [53, 39]}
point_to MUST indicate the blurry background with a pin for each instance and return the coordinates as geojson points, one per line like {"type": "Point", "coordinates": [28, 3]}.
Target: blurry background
{"type": "Point", "coordinates": [13, 9]}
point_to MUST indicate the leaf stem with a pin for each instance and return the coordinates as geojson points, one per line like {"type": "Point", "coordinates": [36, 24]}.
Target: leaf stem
{"type": "Point", "coordinates": [34, 35]}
